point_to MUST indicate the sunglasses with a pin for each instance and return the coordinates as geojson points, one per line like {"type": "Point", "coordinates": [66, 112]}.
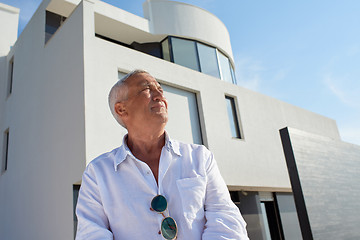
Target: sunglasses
{"type": "Point", "coordinates": [168, 224]}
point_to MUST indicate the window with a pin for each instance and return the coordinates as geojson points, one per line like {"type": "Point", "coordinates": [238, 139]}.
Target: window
{"type": "Point", "coordinates": [199, 57]}
{"type": "Point", "coordinates": [233, 74]}
{"type": "Point", "coordinates": [232, 115]}
{"type": "Point", "coordinates": [184, 121]}
{"type": "Point", "coordinates": [52, 23]}
{"type": "Point", "coordinates": [151, 48]}
{"type": "Point", "coordinates": [11, 75]}
{"type": "Point", "coordinates": [271, 218]}
{"type": "Point", "coordinates": [165, 50]}
{"type": "Point", "coordinates": [5, 151]}
{"type": "Point", "coordinates": [76, 189]}
{"type": "Point", "coordinates": [225, 68]}
{"type": "Point", "coordinates": [261, 213]}
{"type": "Point", "coordinates": [185, 53]}
{"type": "Point", "coordinates": [208, 60]}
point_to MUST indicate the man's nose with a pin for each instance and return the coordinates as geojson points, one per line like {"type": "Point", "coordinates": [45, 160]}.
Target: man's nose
{"type": "Point", "coordinates": [157, 95]}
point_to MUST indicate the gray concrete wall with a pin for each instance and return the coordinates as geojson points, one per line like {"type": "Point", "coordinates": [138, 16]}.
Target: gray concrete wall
{"type": "Point", "coordinates": [329, 175]}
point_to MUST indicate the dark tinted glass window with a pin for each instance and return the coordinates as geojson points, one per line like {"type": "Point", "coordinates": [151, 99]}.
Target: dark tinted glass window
{"type": "Point", "coordinates": [166, 50]}
{"type": "Point", "coordinates": [11, 75]}
{"type": "Point", "coordinates": [5, 151]}
{"type": "Point", "coordinates": [52, 23]}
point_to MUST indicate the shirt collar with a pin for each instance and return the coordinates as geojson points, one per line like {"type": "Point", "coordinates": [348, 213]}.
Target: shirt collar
{"type": "Point", "coordinates": [124, 151]}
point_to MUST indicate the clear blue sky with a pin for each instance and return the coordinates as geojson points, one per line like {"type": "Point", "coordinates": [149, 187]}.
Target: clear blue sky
{"type": "Point", "coordinates": [306, 53]}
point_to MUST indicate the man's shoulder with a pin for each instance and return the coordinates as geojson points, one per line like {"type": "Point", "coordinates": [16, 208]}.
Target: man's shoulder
{"type": "Point", "coordinates": [106, 158]}
{"type": "Point", "coordinates": [190, 148]}
{"type": "Point", "coordinates": [190, 145]}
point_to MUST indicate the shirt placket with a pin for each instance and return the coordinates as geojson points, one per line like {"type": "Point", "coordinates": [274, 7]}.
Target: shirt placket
{"type": "Point", "coordinates": [144, 169]}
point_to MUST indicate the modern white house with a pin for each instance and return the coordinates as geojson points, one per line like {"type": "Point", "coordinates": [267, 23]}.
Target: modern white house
{"type": "Point", "coordinates": [54, 116]}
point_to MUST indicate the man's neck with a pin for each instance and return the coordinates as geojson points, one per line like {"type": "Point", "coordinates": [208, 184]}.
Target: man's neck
{"type": "Point", "coordinates": [146, 145]}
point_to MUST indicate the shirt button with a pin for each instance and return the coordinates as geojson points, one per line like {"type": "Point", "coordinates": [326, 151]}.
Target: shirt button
{"type": "Point", "coordinates": [159, 232]}
{"type": "Point", "coordinates": [148, 172]}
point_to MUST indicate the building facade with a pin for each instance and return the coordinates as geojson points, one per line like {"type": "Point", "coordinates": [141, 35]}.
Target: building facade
{"type": "Point", "coordinates": [55, 78]}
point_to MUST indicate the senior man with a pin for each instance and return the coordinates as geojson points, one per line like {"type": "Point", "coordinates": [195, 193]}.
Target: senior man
{"type": "Point", "coordinates": [153, 187]}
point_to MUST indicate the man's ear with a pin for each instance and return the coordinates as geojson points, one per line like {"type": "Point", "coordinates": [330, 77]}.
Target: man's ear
{"type": "Point", "coordinates": [120, 109]}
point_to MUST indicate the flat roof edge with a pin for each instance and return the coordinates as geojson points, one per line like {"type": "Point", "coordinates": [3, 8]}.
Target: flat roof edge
{"type": "Point", "coordinates": [9, 8]}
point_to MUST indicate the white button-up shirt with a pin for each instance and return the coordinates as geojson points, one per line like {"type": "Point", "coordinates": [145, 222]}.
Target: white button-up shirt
{"type": "Point", "coordinates": [117, 189]}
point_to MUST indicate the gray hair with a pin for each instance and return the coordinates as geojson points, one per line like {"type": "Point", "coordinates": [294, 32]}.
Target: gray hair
{"type": "Point", "coordinates": [118, 93]}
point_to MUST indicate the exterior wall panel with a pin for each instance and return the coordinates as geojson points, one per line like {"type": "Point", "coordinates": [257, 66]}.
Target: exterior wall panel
{"type": "Point", "coordinates": [45, 115]}
{"type": "Point", "coordinates": [328, 175]}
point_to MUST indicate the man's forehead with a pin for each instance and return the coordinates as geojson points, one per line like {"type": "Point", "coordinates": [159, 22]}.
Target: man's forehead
{"type": "Point", "coordinates": [143, 79]}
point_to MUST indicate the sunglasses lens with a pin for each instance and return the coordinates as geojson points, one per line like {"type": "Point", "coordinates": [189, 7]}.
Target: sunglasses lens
{"type": "Point", "coordinates": [159, 203]}
{"type": "Point", "coordinates": [168, 228]}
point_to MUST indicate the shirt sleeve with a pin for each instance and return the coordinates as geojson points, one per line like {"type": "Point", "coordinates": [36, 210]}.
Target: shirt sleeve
{"type": "Point", "coordinates": [223, 218]}
{"type": "Point", "coordinates": [93, 223]}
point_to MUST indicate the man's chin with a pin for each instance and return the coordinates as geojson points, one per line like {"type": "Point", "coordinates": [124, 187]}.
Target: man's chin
{"type": "Point", "coordinates": [163, 116]}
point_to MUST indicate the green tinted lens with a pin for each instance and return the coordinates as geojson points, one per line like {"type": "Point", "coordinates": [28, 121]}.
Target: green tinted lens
{"type": "Point", "coordinates": [168, 228]}
{"type": "Point", "coordinates": [159, 203]}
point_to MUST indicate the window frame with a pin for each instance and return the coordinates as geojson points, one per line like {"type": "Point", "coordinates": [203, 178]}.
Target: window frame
{"type": "Point", "coordinates": [5, 155]}
{"type": "Point", "coordinates": [170, 45]}
{"type": "Point", "coordinates": [216, 56]}
{"type": "Point", "coordinates": [199, 113]}
{"type": "Point", "coordinates": [236, 117]}
{"type": "Point", "coordinates": [76, 190]}
{"type": "Point", "coordinates": [61, 22]}
{"type": "Point", "coordinates": [172, 51]}
{"type": "Point", "coordinates": [168, 48]}
{"type": "Point", "coordinates": [221, 69]}
{"type": "Point", "coordinates": [10, 76]}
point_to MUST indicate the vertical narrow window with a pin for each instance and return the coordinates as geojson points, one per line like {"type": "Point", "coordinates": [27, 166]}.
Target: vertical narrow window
{"type": "Point", "coordinates": [233, 119]}
{"type": "Point", "coordinates": [208, 60]}
{"type": "Point", "coordinates": [5, 151]}
{"type": "Point", "coordinates": [76, 189]}
{"type": "Point", "coordinates": [165, 50]}
{"type": "Point", "coordinates": [11, 75]}
{"type": "Point", "coordinates": [225, 68]}
{"type": "Point", "coordinates": [185, 53]}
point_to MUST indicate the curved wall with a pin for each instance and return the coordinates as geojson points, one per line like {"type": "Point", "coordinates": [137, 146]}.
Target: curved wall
{"type": "Point", "coordinates": [184, 20]}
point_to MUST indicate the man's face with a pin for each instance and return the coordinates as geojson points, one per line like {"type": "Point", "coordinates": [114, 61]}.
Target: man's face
{"type": "Point", "coordinates": [145, 104]}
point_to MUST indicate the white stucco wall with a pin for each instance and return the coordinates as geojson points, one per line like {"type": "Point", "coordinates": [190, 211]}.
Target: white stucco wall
{"type": "Point", "coordinates": [9, 19]}
{"type": "Point", "coordinates": [45, 115]}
